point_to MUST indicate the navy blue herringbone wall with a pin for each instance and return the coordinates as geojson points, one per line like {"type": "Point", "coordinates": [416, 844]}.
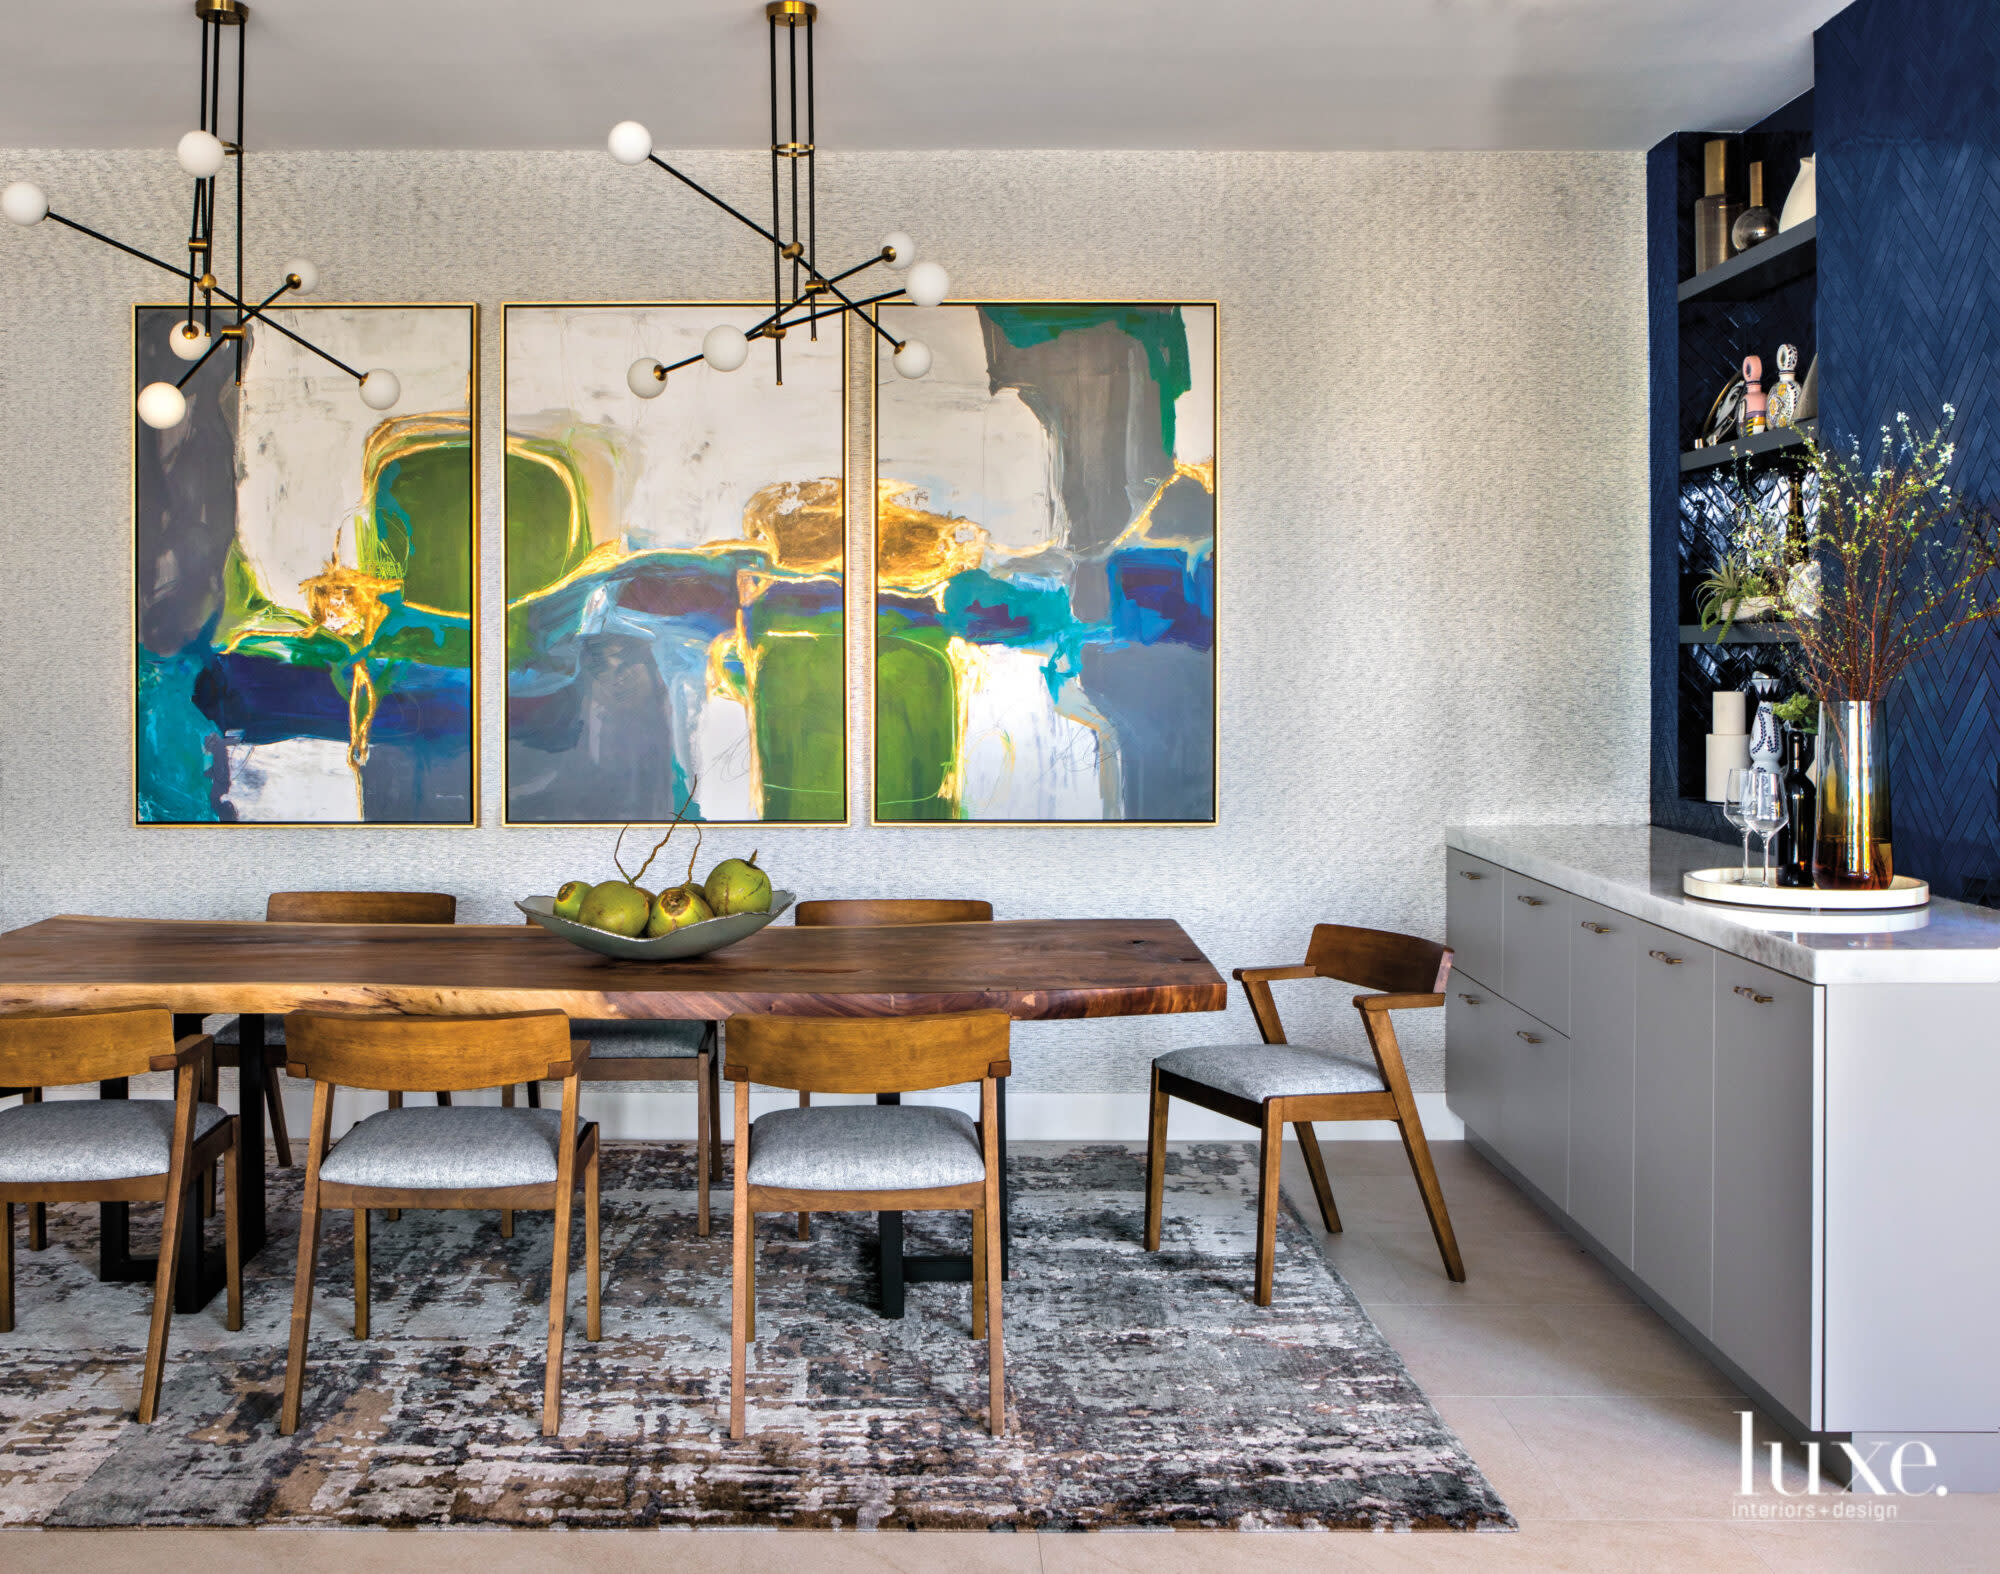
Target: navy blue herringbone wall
{"type": "Point", "coordinates": [1907, 125]}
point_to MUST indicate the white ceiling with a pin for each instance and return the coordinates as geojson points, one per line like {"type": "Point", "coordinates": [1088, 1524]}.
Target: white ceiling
{"type": "Point", "coordinates": [1206, 74]}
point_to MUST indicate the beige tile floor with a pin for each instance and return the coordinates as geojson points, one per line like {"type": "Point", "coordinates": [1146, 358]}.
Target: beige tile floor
{"type": "Point", "coordinates": [1613, 1442]}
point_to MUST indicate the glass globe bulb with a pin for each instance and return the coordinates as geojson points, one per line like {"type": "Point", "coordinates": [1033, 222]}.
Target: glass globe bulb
{"type": "Point", "coordinates": [630, 142]}
{"type": "Point", "coordinates": [646, 378]}
{"type": "Point", "coordinates": [913, 359]}
{"type": "Point", "coordinates": [24, 203]}
{"type": "Point", "coordinates": [725, 348]}
{"type": "Point", "coordinates": [307, 275]}
{"type": "Point", "coordinates": [380, 389]}
{"type": "Point", "coordinates": [161, 405]}
{"type": "Point", "coordinates": [904, 248]}
{"type": "Point", "coordinates": [927, 284]}
{"type": "Point", "coordinates": [201, 154]}
{"type": "Point", "coordinates": [188, 340]}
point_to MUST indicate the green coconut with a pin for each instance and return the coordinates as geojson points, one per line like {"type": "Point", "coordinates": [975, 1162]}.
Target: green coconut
{"type": "Point", "coordinates": [617, 907]}
{"type": "Point", "coordinates": [676, 908]}
{"type": "Point", "coordinates": [569, 899]}
{"type": "Point", "coordinates": [737, 885]}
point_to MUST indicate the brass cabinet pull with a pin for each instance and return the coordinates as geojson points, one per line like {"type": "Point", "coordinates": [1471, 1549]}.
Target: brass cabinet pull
{"type": "Point", "coordinates": [1470, 1000]}
{"type": "Point", "coordinates": [1596, 929]}
{"type": "Point", "coordinates": [1661, 956]}
{"type": "Point", "coordinates": [1532, 901]}
{"type": "Point", "coordinates": [1750, 994]}
{"type": "Point", "coordinates": [1522, 1033]}
{"type": "Point", "coordinates": [1470, 874]}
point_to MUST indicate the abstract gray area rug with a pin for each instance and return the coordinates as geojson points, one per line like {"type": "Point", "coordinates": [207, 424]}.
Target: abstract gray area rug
{"type": "Point", "coordinates": [1146, 1389]}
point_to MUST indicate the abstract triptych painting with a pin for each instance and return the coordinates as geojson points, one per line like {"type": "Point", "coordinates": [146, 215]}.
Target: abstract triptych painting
{"type": "Point", "coordinates": [676, 573]}
{"type": "Point", "coordinates": [305, 577]}
{"type": "Point", "coordinates": [1045, 566]}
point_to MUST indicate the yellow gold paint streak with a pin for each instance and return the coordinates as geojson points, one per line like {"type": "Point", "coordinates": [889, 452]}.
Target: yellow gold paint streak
{"type": "Point", "coordinates": [916, 549]}
{"type": "Point", "coordinates": [517, 449]}
{"type": "Point", "coordinates": [802, 525]}
{"type": "Point", "coordinates": [360, 717]}
{"type": "Point", "coordinates": [1142, 522]}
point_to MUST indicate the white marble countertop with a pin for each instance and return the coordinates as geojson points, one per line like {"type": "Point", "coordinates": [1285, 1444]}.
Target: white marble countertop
{"type": "Point", "coordinates": [1636, 869]}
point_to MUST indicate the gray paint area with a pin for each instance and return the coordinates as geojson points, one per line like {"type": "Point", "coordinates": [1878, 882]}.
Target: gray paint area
{"type": "Point", "coordinates": [1432, 596]}
{"type": "Point", "coordinates": [185, 485]}
{"type": "Point", "coordinates": [1152, 693]}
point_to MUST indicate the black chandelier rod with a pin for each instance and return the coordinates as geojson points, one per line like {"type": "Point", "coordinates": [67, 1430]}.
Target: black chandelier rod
{"type": "Point", "coordinates": [242, 318]}
{"type": "Point", "coordinates": [695, 185]}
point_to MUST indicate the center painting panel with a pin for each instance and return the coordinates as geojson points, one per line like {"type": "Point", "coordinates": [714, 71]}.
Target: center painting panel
{"type": "Point", "coordinates": [676, 573]}
{"type": "Point", "coordinates": [1045, 565]}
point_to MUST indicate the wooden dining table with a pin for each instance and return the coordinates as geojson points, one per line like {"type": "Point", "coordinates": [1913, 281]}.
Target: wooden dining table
{"type": "Point", "coordinates": [1033, 969]}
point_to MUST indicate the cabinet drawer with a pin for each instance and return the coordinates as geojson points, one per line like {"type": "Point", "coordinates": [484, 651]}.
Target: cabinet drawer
{"type": "Point", "coordinates": [1534, 944]}
{"type": "Point", "coordinates": [1603, 950]}
{"type": "Point", "coordinates": [1472, 916]}
{"type": "Point", "coordinates": [1533, 1062]}
{"type": "Point", "coordinates": [1673, 1112]}
{"type": "Point", "coordinates": [1471, 1077]}
{"type": "Point", "coordinates": [1764, 1178]}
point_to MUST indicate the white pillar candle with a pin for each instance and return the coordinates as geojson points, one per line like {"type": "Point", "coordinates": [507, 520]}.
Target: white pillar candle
{"type": "Point", "coordinates": [1726, 752]}
{"type": "Point", "coordinates": [1731, 712]}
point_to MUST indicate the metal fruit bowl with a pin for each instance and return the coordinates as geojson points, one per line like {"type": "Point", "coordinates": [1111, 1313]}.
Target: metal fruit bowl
{"type": "Point", "coordinates": [711, 934]}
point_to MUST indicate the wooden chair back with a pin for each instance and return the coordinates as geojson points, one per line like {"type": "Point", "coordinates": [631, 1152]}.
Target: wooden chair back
{"type": "Point", "coordinates": [860, 911]}
{"type": "Point", "coordinates": [410, 1054]}
{"type": "Point", "coordinates": [361, 907]}
{"type": "Point", "coordinates": [868, 1054]}
{"type": "Point", "coordinates": [1378, 959]}
{"type": "Point", "coordinates": [84, 1046]}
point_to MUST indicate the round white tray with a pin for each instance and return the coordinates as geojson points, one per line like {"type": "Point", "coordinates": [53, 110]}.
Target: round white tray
{"type": "Point", "coordinates": [1726, 885]}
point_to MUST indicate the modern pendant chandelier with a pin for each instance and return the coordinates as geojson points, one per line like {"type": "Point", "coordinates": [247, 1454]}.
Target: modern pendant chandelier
{"type": "Point", "coordinates": [807, 296]}
{"type": "Point", "coordinates": [204, 154]}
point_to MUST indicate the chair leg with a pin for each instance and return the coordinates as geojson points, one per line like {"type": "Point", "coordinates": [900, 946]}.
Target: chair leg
{"type": "Point", "coordinates": [302, 1292]}
{"type": "Point", "coordinates": [38, 1226]}
{"type": "Point", "coordinates": [805, 1219]}
{"type": "Point", "coordinates": [1271, 1149]}
{"type": "Point", "coordinates": [444, 1098]}
{"type": "Point", "coordinates": [174, 1219]}
{"type": "Point", "coordinates": [6, 1267]}
{"type": "Point", "coordinates": [739, 1304]}
{"type": "Point", "coordinates": [593, 1322]}
{"type": "Point", "coordinates": [1419, 1151]}
{"type": "Point", "coordinates": [395, 1102]}
{"type": "Point", "coordinates": [704, 1139]}
{"type": "Point", "coordinates": [1156, 1165]}
{"type": "Point", "coordinates": [715, 1116]}
{"type": "Point", "coordinates": [558, 1313]}
{"type": "Point", "coordinates": [361, 1273]}
{"type": "Point", "coordinates": [750, 1280]}
{"type": "Point", "coordinates": [534, 1095]}
{"type": "Point", "coordinates": [996, 1369]}
{"type": "Point", "coordinates": [506, 1214]}
{"type": "Point", "coordinates": [1329, 1215]}
{"type": "Point", "coordinates": [209, 1093]}
{"type": "Point", "coordinates": [232, 1238]}
{"type": "Point", "coordinates": [979, 1273]}
{"type": "Point", "coordinates": [274, 1106]}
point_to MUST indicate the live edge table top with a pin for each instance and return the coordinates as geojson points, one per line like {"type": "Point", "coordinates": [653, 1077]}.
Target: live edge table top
{"type": "Point", "coordinates": [1032, 969]}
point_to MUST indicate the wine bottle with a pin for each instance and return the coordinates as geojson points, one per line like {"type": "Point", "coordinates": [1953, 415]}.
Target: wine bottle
{"type": "Point", "coordinates": [1793, 846]}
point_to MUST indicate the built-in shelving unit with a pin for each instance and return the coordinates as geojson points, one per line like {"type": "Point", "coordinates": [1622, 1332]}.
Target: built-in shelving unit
{"type": "Point", "coordinates": [1745, 448]}
{"type": "Point", "coordinates": [1759, 270]}
{"type": "Point", "coordinates": [1739, 634]}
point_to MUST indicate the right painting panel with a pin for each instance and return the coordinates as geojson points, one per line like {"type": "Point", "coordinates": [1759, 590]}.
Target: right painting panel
{"type": "Point", "coordinates": [1045, 565]}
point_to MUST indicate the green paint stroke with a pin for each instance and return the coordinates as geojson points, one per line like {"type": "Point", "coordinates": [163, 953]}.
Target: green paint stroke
{"type": "Point", "coordinates": [539, 546]}
{"type": "Point", "coordinates": [423, 525]}
{"type": "Point", "coordinates": [916, 720]}
{"type": "Point", "coordinates": [1158, 329]}
{"type": "Point", "coordinates": [799, 687]}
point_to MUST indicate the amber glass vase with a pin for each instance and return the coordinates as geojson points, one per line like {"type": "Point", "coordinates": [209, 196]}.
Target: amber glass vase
{"type": "Point", "coordinates": [1851, 851]}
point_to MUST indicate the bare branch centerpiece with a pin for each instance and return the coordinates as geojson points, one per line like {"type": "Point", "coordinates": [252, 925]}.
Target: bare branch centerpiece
{"type": "Point", "coordinates": [1891, 564]}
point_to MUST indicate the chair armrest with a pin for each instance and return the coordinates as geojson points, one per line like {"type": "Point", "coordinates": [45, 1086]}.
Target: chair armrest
{"type": "Point", "coordinates": [1266, 975]}
{"type": "Point", "coordinates": [1380, 1003]}
{"type": "Point", "coordinates": [190, 1051]}
{"type": "Point", "coordinates": [579, 1052]}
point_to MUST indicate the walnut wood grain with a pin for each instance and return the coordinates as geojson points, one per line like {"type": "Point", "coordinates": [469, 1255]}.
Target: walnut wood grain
{"type": "Point", "coordinates": [857, 911]}
{"type": "Point", "coordinates": [1032, 969]}
{"type": "Point", "coordinates": [360, 907]}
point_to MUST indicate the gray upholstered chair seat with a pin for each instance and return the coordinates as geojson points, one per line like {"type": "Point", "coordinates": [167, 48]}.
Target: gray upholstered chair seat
{"type": "Point", "coordinates": [621, 1039]}
{"type": "Point", "coordinates": [231, 1031]}
{"type": "Point", "coordinates": [1268, 1071]}
{"type": "Point", "coordinates": [64, 1140]}
{"type": "Point", "coordinates": [865, 1147]}
{"type": "Point", "coordinates": [445, 1149]}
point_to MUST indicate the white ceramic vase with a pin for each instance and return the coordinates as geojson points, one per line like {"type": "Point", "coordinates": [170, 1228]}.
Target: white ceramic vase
{"type": "Point", "coordinates": [1802, 201]}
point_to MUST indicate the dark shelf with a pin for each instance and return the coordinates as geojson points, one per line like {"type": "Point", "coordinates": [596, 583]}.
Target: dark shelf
{"type": "Point", "coordinates": [1740, 634]}
{"type": "Point", "coordinates": [1759, 270]}
{"type": "Point", "coordinates": [1746, 447]}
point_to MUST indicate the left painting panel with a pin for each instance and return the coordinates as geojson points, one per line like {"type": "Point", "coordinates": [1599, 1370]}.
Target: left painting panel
{"type": "Point", "coordinates": [306, 569]}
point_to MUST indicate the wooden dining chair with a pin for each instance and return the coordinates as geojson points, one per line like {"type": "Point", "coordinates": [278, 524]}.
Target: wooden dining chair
{"type": "Point", "coordinates": [869, 1157]}
{"type": "Point", "coordinates": [322, 907]}
{"type": "Point", "coordinates": [115, 1150]}
{"type": "Point", "coordinates": [1265, 1085]}
{"type": "Point", "coordinates": [453, 1156]}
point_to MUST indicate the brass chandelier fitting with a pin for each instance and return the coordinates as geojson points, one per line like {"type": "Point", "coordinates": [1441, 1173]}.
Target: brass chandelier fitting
{"type": "Point", "coordinates": [203, 154]}
{"type": "Point", "coordinates": [810, 296]}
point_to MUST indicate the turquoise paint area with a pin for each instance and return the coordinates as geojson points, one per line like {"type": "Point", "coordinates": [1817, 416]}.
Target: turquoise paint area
{"type": "Point", "coordinates": [1158, 329]}
{"type": "Point", "coordinates": [174, 740]}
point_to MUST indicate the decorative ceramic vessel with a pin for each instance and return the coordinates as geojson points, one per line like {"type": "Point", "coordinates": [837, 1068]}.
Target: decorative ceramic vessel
{"type": "Point", "coordinates": [711, 934]}
{"type": "Point", "coordinates": [1802, 201]}
{"type": "Point", "coordinates": [1852, 849]}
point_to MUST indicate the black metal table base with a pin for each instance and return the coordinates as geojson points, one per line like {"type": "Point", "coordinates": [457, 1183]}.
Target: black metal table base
{"type": "Point", "coordinates": [897, 1270]}
{"type": "Point", "coordinates": [201, 1272]}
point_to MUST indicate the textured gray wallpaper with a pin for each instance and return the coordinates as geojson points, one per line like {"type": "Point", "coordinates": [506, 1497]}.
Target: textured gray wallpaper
{"type": "Point", "coordinates": [1432, 522]}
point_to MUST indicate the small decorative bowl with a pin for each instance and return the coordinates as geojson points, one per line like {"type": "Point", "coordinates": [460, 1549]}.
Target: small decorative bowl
{"type": "Point", "coordinates": [711, 934]}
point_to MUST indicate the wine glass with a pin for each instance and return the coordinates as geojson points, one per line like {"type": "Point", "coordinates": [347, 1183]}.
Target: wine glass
{"type": "Point", "coordinates": [1739, 793]}
{"type": "Point", "coordinates": [1767, 811]}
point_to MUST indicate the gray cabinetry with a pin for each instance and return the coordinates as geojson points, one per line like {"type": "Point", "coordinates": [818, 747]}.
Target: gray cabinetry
{"type": "Point", "coordinates": [1472, 917]}
{"type": "Point", "coordinates": [1534, 944]}
{"type": "Point", "coordinates": [1472, 1080]}
{"type": "Point", "coordinates": [1764, 1166]}
{"type": "Point", "coordinates": [1533, 1061]}
{"type": "Point", "coordinates": [1603, 952]}
{"type": "Point", "coordinates": [1673, 1109]}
